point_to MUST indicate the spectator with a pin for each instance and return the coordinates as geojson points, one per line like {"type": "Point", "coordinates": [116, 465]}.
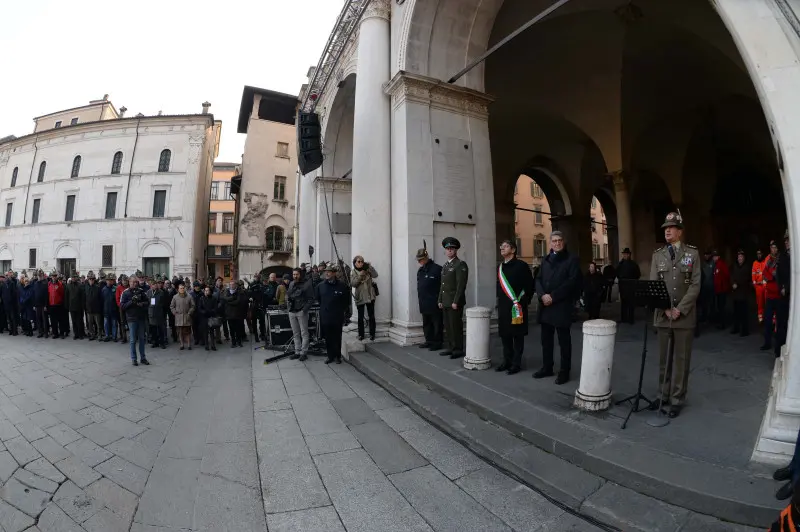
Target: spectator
{"type": "Point", "coordinates": [364, 291]}
{"type": "Point", "coordinates": [234, 302]}
{"type": "Point", "coordinates": [208, 310]}
{"type": "Point", "coordinates": [110, 309]}
{"type": "Point", "coordinates": [722, 287]}
{"type": "Point", "coordinates": [134, 303]}
{"type": "Point", "coordinates": [740, 280]}
{"type": "Point", "coordinates": [299, 298]}
{"type": "Point", "coordinates": [183, 308]}
{"type": "Point", "coordinates": [593, 283]}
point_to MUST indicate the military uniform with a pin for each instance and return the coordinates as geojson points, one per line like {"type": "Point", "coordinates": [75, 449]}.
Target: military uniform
{"type": "Point", "coordinates": [455, 275]}
{"type": "Point", "coordinates": [679, 266]}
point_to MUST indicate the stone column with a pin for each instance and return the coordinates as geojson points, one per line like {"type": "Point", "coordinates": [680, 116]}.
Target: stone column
{"type": "Point", "coordinates": [594, 392]}
{"type": "Point", "coordinates": [371, 196]}
{"type": "Point", "coordinates": [477, 340]}
{"type": "Point", "coordinates": [624, 219]}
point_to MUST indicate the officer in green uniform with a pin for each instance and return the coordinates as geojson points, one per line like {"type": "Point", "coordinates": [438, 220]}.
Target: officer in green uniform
{"type": "Point", "coordinates": [678, 265]}
{"type": "Point", "coordinates": [452, 297]}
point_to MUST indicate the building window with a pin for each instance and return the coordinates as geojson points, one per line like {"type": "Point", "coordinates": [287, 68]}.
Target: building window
{"type": "Point", "coordinates": [227, 223]}
{"type": "Point", "coordinates": [274, 238]}
{"type": "Point", "coordinates": [32, 258]}
{"type": "Point", "coordinates": [595, 251]}
{"type": "Point", "coordinates": [539, 246]}
{"type": "Point", "coordinates": [536, 191]}
{"type": "Point", "coordinates": [163, 161]}
{"type": "Point", "coordinates": [280, 188]}
{"type": "Point", "coordinates": [215, 190]}
{"type": "Point", "coordinates": [42, 169]}
{"type": "Point", "coordinates": [537, 215]}
{"type": "Point", "coordinates": [212, 222]}
{"type": "Point", "coordinates": [76, 166]}
{"type": "Point", "coordinates": [111, 205]}
{"type": "Point", "coordinates": [116, 163]}
{"type": "Point", "coordinates": [108, 256]}
{"type": "Point", "coordinates": [605, 250]}
{"type": "Point", "coordinates": [73, 121]}
{"type": "Point", "coordinates": [14, 173]}
{"type": "Point", "coordinates": [9, 210]}
{"type": "Point", "coordinates": [283, 150]}
{"type": "Point", "coordinates": [58, 124]}
{"type": "Point", "coordinates": [226, 194]}
{"type": "Point", "coordinates": [226, 270]}
{"type": "Point", "coordinates": [37, 203]}
{"type": "Point", "coordinates": [159, 203]}
{"type": "Point", "coordinates": [227, 251]}
{"type": "Point", "coordinates": [69, 213]}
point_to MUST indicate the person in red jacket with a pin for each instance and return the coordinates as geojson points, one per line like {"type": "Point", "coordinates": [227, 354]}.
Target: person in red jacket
{"type": "Point", "coordinates": [122, 285]}
{"type": "Point", "coordinates": [772, 294]}
{"type": "Point", "coordinates": [59, 320]}
{"type": "Point", "coordinates": [759, 284]}
{"type": "Point", "coordinates": [722, 287]}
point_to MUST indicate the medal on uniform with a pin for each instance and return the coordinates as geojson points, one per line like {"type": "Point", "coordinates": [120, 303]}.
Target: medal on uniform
{"type": "Point", "coordinates": [517, 318]}
{"type": "Point", "coordinates": [689, 263]}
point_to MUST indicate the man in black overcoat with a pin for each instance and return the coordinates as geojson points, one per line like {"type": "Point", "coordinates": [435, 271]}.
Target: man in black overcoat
{"type": "Point", "coordinates": [518, 275]}
{"type": "Point", "coordinates": [429, 280]}
{"type": "Point", "coordinates": [558, 286]}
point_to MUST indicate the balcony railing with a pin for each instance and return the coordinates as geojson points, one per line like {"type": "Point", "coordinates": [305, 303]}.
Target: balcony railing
{"type": "Point", "coordinates": [220, 252]}
{"type": "Point", "coordinates": [280, 245]}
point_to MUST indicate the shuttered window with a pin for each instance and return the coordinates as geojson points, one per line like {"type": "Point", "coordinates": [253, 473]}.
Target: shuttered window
{"type": "Point", "coordinates": [159, 203]}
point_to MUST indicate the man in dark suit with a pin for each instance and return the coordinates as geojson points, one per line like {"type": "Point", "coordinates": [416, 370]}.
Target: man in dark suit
{"type": "Point", "coordinates": [429, 280]}
{"type": "Point", "coordinates": [333, 296]}
{"type": "Point", "coordinates": [514, 292]}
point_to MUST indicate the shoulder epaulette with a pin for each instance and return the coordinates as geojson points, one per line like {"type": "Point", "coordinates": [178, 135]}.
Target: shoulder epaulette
{"type": "Point", "coordinates": [659, 249]}
{"type": "Point", "coordinates": [690, 246]}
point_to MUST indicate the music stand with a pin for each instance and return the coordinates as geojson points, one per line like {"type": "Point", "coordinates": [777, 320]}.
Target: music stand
{"type": "Point", "coordinates": [651, 295]}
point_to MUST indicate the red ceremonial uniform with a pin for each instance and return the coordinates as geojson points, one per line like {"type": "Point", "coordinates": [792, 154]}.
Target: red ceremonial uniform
{"type": "Point", "coordinates": [758, 284]}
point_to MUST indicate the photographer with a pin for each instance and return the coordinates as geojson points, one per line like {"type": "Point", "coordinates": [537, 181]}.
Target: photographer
{"type": "Point", "coordinates": [134, 304]}
{"type": "Point", "coordinates": [299, 297]}
{"type": "Point", "coordinates": [364, 291]}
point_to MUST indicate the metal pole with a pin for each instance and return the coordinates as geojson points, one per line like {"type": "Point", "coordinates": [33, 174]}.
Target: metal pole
{"type": "Point", "coordinates": [508, 39]}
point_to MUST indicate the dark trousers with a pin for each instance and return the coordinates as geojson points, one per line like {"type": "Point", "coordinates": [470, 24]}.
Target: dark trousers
{"type": "Point", "coordinates": [548, 345]}
{"type": "Point", "coordinates": [454, 329]}
{"type": "Point", "coordinates": [513, 345]}
{"type": "Point", "coordinates": [224, 329]}
{"type": "Point", "coordinates": [593, 303]}
{"type": "Point", "coordinates": [258, 320]}
{"type": "Point", "coordinates": [96, 325]}
{"type": "Point", "coordinates": [627, 310]}
{"type": "Point", "coordinates": [432, 326]}
{"type": "Point", "coordinates": [705, 304]}
{"type": "Point", "coordinates": [371, 310]}
{"type": "Point", "coordinates": [12, 319]}
{"type": "Point", "coordinates": [173, 330]}
{"type": "Point", "coordinates": [59, 320]}
{"type": "Point", "coordinates": [41, 321]}
{"type": "Point", "coordinates": [237, 331]}
{"type": "Point", "coordinates": [27, 325]}
{"type": "Point", "coordinates": [211, 336]}
{"type": "Point", "coordinates": [719, 303]}
{"type": "Point", "coordinates": [609, 289]}
{"type": "Point", "coordinates": [123, 326]}
{"type": "Point", "coordinates": [77, 324]}
{"type": "Point", "coordinates": [740, 318]}
{"type": "Point", "coordinates": [158, 334]}
{"type": "Point", "coordinates": [783, 324]}
{"type": "Point", "coordinates": [770, 313]}
{"type": "Point", "coordinates": [333, 340]}
{"type": "Point", "coordinates": [197, 333]}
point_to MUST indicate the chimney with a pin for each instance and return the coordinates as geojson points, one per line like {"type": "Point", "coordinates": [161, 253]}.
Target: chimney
{"type": "Point", "coordinates": [122, 111]}
{"type": "Point", "coordinates": [206, 105]}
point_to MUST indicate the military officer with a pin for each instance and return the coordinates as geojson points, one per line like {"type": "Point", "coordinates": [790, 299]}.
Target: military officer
{"type": "Point", "coordinates": [452, 297]}
{"type": "Point", "coordinates": [678, 265]}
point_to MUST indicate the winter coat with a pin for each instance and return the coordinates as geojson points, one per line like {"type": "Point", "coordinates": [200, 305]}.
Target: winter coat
{"type": "Point", "coordinates": [9, 293]}
{"type": "Point", "coordinates": [740, 277]}
{"type": "Point", "coordinates": [94, 299]}
{"type": "Point", "coordinates": [722, 277]}
{"type": "Point", "coordinates": [134, 303]}
{"type": "Point", "coordinates": [363, 285]}
{"type": "Point", "coordinates": [76, 297]}
{"type": "Point", "coordinates": [560, 277]}
{"type": "Point", "coordinates": [280, 293]}
{"type": "Point", "coordinates": [519, 276]}
{"type": "Point", "coordinates": [593, 284]}
{"type": "Point", "coordinates": [235, 304]}
{"type": "Point", "coordinates": [628, 269]}
{"type": "Point", "coordinates": [208, 306]}
{"type": "Point", "coordinates": [333, 301]}
{"type": "Point", "coordinates": [40, 293]}
{"type": "Point", "coordinates": [26, 298]}
{"type": "Point", "coordinates": [108, 295]}
{"type": "Point", "coordinates": [55, 294]}
{"type": "Point", "coordinates": [156, 312]}
{"type": "Point", "coordinates": [300, 296]}
{"type": "Point", "coordinates": [182, 307]}
{"type": "Point", "coordinates": [429, 281]}
{"type": "Point", "coordinates": [271, 293]}
{"type": "Point", "coordinates": [784, 273]}
{"type": "Point", "coordinates": [771, 277]}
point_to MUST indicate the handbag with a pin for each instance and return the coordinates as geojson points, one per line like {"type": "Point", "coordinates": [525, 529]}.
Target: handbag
{"type": "Point", "coordinates": [214, 322]}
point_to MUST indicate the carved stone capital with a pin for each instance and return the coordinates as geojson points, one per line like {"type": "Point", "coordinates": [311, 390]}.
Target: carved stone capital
{"type": "Point", "coordinates": [406, 87]}
{"type": "Point", "coordinates": [620, 179]}
{"type": "Point", "coordinates": [378, 9]}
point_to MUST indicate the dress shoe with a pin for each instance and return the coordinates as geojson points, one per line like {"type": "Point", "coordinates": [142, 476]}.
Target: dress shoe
{"type": "Point", "coordinates": [457, 354]}
{"type": "Point", "coordinates": [135, 363]}
{"type": "Point", "coordinates": [329, 361]}
{"type": "Point", "coordinates": [655, 405]}
{"type": "Point", "coordinates": [145, 362]}
{"type": "Point", "coordinates": [513, 371]}
{"type": "Point", "coordinates": [502, 367]}
{"type": "Point", "coordinates": [445, 353]}
{"type": "Point", "coordinates": [562, 378]}
{"type": "Point", "coordinates": [424, 345]}
{"type": "Point", "coordinates": [542, 373]}
{"type": "Point", "coordinates": [734, 331]}
{"type": "Point", "coordinates": [435, 347]}
{"type": "Point", "coordinates": [339, 360]}
{"type": "Point", "coordinates": [785, 491]}
{"type": "Point", "coordinates": [302, 358]}
{"type": "Point", "coordinates": [784, 473]}
{"type": "Point", "coordinates": [294, 356]}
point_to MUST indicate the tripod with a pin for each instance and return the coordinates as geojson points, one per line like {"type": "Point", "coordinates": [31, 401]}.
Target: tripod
{"type": "Point", "coordinates": [648, 294]}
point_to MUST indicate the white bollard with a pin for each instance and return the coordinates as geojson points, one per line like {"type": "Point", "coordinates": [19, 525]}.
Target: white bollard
{"type": "Point", "coordinates": [594, 392]}
{"type": "Point", "coordinates": [477, 355]}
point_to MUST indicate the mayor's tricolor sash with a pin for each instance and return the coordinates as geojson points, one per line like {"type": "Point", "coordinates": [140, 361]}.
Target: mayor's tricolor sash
{"type": "Point", "coordinates": [516, 309]}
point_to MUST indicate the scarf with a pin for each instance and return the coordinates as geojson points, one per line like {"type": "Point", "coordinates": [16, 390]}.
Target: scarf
{"type": "Point", "coordinates": [517, 317]}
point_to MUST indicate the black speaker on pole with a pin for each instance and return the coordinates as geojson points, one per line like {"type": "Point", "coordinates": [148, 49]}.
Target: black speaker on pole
{"type": "Point", "coordinates": [309, 142]}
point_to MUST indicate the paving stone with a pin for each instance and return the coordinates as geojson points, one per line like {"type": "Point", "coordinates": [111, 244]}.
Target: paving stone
{"type": "Point", "coordinates": [446, 454]}
{"type": "Point", "coordinates": [33, 480]}
{"type": "Point", "coordinates": [316, 415]}
{"type": "Point", "coordinates": [26, 404]}
{"type": "Point", "coordinates": [28, 500]}
{"type": "Point", "coordinates": [22, 451]}
{"type": "Point", "coordinates": [269, 395]}
{"type": "Point", "coordinates": [364, 498]}
{"type": "Point", "coordinates": [156, 422]}
{"type": "Point", "coordinates": [89, 452]}
{"type": "Point", "coordinates": [169, 498]}
{"type": "Point", "coordinates": [100, 434]}
{"type": "Point", "coordinates": [51, 449]}
{"type": "Point", "coordinates": [633, 511]}
{"type": "Point", "coordinates": [278, 436]}
{"type": "Point", "coordinates": [171, 400]}
{"type": "Point", "coordinates": [128, 412]}
{"type": "Point", "coordinates": [103, 400]}
{"type": "Point", "coordinates": [166, 411]}
{"type": "Point", "coordinates": [77, 471]}
{"type": "Point", "coordinates": [130, 476]}
{"type": "Point", "coordinates": [231, 425]}
{"type": "Point", "coordinates": [76, 503]}
{"type": "Point", "coordinates": [53, 519]}
{"type": "Point", "coordinates": [570, 523]}
{"type": "Point", "coordinates": [331, 443]}
{"type": "Point", "coordinates": [7, 465]}
{"type": "Point", "coordinates": [389, 451]}
{"type": "Point", "coordinates": [224, 505]}
{"type": "Point", "coordinates": [45, 469]}
{"type": "Point", "coordinates": [126, 428]}
{"type": "Point", "coordinates": [106, 521]}
{"type": "Point", "coordinates": [134, 452]}
{"type": "Point", "coordinates": [73, 419]}
{"type": "Point", "coordinates": [121, 388]}
{"type": "Point", "coordinates": [44, 419]}
{"type": "Point", "coordinates": [7, 430]}
{"type": "Point", "coordinates": [232, 461]}
{"type": "Point", "coordinates": [96, 414]}
{"type": "Point", "coordinates": [298, 381]}
{"type": "Point", "coordinates": [144, 399]}
{"type": "Point", "coordinates": [12, 520]}
{"type": "Point", "coordinates": [402, 418]}
{"type": "Point", "coordinates": [354, 411]}
{"type": "Point", "coordinates": [705, 523]}
{"type": "Point", "coordinates": [30, 430]}
{"type": "Point", "coordinates": [151, 438]}
{"type": "Point", "coordinates": [291, 484]}
{"type": "Point", "coordinates": [324, 519]}
{"type": "Point", "coordinates": [63, 434]}
{"type": "Point", "coordinates": [119, 500]}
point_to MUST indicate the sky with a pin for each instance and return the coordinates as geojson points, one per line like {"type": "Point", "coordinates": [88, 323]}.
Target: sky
{"type": "Point", "coordinates": [150, 56]}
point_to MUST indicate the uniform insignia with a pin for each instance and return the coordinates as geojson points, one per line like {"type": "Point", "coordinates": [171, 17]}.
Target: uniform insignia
{"type": "Point", "coordinates": [690, 246]}
{"type": "Point", "coordinates": [687, 260]}
{"type": "Point", "coordinates": [659, 249]}
{"type": "Point", "coordinates": [662, 264]}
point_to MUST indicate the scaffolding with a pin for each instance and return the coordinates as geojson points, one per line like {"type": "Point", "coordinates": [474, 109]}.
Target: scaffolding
{"type": "Point", "coordinates": [342, 32]}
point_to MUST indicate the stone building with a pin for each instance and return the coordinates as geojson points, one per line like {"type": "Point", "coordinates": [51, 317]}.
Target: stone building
{"type": "Point", "coordinates": [221, 220]}
{"type": "Point", "coordinates": [93, 189]}
{"type": "Point", "coordinates": [266, 189]}
{"type": "Point", "coordinates": [646, 105]}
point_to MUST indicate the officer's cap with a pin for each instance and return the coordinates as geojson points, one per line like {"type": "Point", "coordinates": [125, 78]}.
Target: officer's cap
{"type": "Point", "coordinates": [451, 242]}
{"type": "Point", "coordinates": [422, 254]}
{"type": "Point", "coordinates": [110, 277]}
{"type": "Point", "coordinates": [673, 219]}
{"type": "Point", "coordinates": [626, 250]}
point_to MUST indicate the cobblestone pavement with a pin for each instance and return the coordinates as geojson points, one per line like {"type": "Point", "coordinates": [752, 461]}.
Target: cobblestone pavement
{"type": "Point", "coordinates": [219, 441]}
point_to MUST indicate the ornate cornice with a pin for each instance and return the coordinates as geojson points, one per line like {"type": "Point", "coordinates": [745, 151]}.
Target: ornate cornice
{"type": "Point", "coordinates": [406, 87]}
{"type": "Point", "coordinates": [378, 9]}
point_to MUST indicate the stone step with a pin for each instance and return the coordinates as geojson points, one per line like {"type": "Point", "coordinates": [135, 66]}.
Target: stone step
{"type": "Point", "coordinates": [498, 427]}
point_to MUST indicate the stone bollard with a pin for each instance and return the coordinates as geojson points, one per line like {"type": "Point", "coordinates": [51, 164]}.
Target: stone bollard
{"type": "Point", "coordinates": [477, 355]}
{"type": "Point", "coordinates": [594, 392]}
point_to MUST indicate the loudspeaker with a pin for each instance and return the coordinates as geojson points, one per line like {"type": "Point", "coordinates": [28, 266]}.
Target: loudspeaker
{"type": "Point", "coordinates": [309, 142]}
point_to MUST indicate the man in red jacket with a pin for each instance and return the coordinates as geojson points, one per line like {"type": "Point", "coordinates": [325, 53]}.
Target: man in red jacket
{"type": "Point", "coordinates": [773, 294]}
{"type": "Point", "coordinates": [55, 307]}
{"type": "Point", "coordinates": [722, 286]}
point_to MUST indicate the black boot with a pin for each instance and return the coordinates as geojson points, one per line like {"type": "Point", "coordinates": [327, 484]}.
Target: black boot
{"type": "Point", "coordinates": [544, 372]}
{"type": "Point", "coordinates": [562, 378]}
{"type": "Point", "coordinates": [785, 491]}
{"type": "Point", "coordinates": [784, 473]}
